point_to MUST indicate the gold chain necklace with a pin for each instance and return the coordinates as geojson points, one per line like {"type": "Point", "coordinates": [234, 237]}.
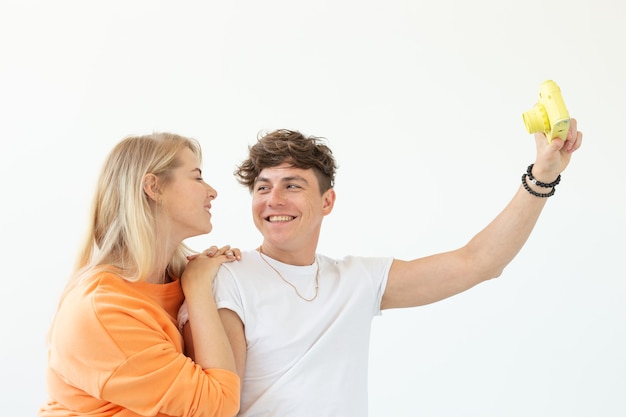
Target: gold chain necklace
{"type": "Point", "coordinates": [317, 278]}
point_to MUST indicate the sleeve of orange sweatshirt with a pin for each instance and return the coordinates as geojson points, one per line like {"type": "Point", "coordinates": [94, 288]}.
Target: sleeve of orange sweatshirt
{"type": "Point", "coordinates": [118, 346]}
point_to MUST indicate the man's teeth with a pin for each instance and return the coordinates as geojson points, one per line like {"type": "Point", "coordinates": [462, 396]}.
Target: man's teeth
{"type": "Point", "coordinates": [280, 218]}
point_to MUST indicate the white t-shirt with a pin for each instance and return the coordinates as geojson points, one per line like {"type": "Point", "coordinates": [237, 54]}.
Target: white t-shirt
{"type": "Point", "coordinates": [304, 359]}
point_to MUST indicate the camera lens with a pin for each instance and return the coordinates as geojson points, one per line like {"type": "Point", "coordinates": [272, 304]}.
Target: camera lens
{"type": "Point", "coordinates": [536, 120]}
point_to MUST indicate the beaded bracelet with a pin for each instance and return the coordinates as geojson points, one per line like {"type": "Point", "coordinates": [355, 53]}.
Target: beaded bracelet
{"type": "Point", "coordinates": [538, 183]}
{"type": "Point", "coordinates": [535, 193]}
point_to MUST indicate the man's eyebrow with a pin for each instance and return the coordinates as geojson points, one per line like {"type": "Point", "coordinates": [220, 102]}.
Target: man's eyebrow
{"type": "Point", "coordinates": [291, 178]}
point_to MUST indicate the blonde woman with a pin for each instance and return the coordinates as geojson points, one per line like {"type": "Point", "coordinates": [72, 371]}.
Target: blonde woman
{"type": "Point", "coordinates": [114, 346]}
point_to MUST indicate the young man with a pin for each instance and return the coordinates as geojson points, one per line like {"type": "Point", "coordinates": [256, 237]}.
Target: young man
{"type": "Point", "coordinates": [299, 322]}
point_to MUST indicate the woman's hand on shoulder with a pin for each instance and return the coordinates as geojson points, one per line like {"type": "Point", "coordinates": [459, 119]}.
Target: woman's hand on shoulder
{"type": "Point", "coordinates": [202, 267]}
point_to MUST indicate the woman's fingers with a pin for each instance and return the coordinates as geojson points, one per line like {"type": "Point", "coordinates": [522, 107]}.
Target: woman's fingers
{"type": "Point", "coordinates": [231, 253]}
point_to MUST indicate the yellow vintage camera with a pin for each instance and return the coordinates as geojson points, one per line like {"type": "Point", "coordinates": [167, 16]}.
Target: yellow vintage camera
{"type": "Point", "coordinates": [549, 115]}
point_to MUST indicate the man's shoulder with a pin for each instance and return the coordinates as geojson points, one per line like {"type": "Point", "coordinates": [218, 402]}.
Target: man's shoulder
{"type": "Point", "coordinates": [354, 260]}
{"type": "Point", "coordinates": [250, 259]}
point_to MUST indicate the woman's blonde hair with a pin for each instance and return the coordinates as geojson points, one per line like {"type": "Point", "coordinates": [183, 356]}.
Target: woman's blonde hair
{"type": "Point", "coordinates": [121, 235]}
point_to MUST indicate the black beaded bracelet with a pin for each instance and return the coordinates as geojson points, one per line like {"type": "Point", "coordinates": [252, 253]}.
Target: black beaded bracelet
{"type": "Point", "coordinates": [538, 183]}
{"type": "Point", "coordinates": [533, 192]}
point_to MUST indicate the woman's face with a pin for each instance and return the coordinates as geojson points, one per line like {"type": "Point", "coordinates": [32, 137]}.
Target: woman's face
{"type": "Point", "coordinates": [186, 200]}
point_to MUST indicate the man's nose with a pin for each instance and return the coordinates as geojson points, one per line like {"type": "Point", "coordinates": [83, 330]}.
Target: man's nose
{"type": "Point", "coordinates": [276, 197]}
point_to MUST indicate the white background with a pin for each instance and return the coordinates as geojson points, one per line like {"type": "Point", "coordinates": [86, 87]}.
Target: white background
{"type": "Point", "coordinates": [421, 103]}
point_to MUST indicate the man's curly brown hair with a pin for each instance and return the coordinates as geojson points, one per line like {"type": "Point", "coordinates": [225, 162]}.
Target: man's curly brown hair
{"type": "Point", "coordinates": [292, 147]}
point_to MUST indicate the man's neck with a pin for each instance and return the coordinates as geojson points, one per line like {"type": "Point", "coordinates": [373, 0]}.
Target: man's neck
{"type": "Point", "coordinates": [290, 257]}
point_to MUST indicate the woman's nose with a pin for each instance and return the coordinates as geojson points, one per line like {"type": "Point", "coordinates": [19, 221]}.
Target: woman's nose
{"type": "Point", "coordinates": [212, 192]}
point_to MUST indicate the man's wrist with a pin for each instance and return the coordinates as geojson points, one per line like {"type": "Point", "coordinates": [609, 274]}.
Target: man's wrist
{"type": "Point", "coordinates": [542, 179]}
{"type": "Point", "coordinates": [536, 187]}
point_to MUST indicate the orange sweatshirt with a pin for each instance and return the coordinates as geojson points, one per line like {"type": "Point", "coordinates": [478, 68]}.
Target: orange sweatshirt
{"type": "Point", "coordinates": [115, 350]}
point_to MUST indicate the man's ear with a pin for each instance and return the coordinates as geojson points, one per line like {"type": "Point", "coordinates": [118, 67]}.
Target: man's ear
{"type": "Point", "coordinates": [328, 201]}
{"type": "Point", "coordinates": [151, 187]}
